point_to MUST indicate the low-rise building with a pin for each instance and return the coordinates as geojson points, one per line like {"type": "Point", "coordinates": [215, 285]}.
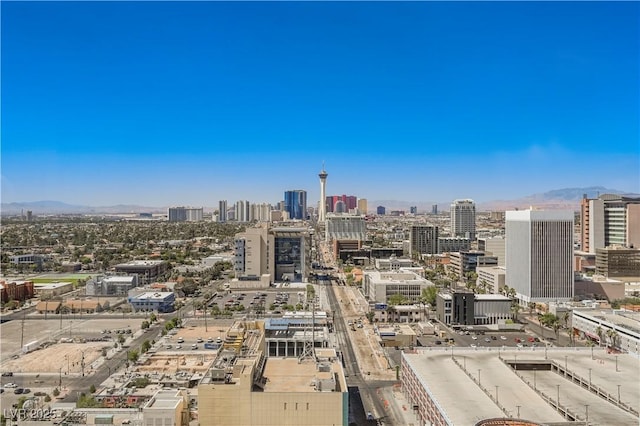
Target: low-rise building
{"type": "Point", "coordinates": [468, 308]}
{"type": "Point", "coordinates": [393, 263]}
{"type": "Point", "coordinates": [118, 285]}
{"type": "Point", "coordinates": [619, 329]}
{"type": "Point", "coordinates": [491, 278]}
{"type": "Point", "coordinates": [378, 286]}
{"type": "Point", "coordinates": [399, 335]}
{"type": "Point", "coordinates": [85, 306]}
{"type": "Point", "coordinates": [153, 301]}
{"type": "Point", "coordinates": [168, 407]}
{"type": "Point", "coordinates": [148, 271]}
{"type": "Point", "coordinates": [384, 313]}
{"type": "Point", "coordinates": [49, 290]}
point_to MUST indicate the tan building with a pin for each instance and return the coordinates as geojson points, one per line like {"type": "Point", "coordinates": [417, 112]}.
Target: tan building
{"type": "Point", "coordinates": [49, 290]}
{"type": "Point", "coordinates": [251, 389]}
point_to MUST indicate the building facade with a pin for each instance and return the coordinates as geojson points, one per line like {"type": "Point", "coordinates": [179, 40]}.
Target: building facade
{"type": "Point", "coordinates": [150, 301]}
{"type": "Point", "coordinates": [463, 219]}
{"type": "Point", "coordinates": [539, 255]}
{"type": "Point", "coordinates": [148, 271]}
{"type": "Point", "coordinates": [378, 286]}
{"type": "Point", "coordinates": [423, 239]}
{"type": "Point", "coordinates": [295, 203]}
{"type": "Point", "coordinates": [618, 262]}
{"type": "Point", "coordinates": [222, 211]}
{"type": "Point", "coordinates": [610, 219]}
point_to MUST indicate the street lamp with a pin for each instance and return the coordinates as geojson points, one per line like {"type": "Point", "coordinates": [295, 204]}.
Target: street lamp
{"type": "Point", "coordinates": [497, 394]}
{"type": "Point", "coordinates": [518, 407]}
{"type": "Point", "coordinates": [558, 397]}
{"type": "Point", "coordinates": [586, 413]}
{"type": "Point", "coordinates": [618, 394]}
{"type": "Point", "coordinates": [534, 380]}
{"type": "Point", "coordinates": [617, 363]}
{"type": "Point", "coordinates": [589, 378]}
{"type": "Point", "coordinates": [479, 370]}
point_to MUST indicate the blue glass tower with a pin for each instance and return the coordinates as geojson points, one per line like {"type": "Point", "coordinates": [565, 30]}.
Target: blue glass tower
{"type": "Point", "coordinates": [295, 203]}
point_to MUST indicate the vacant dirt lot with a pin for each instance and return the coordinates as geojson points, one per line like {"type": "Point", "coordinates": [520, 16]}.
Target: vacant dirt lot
{"type": "Point", "coordinates": [67, 356]}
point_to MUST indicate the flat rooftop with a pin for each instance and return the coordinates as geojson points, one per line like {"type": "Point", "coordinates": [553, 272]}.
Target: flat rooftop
{"type": "Point", "coordinates": [484, 372]}
{"type": "Point", "coordinates": [289, 375]}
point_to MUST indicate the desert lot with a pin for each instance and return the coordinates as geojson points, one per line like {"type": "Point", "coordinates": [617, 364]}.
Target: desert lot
{"type": "Point", "coordinates": [12, 333]}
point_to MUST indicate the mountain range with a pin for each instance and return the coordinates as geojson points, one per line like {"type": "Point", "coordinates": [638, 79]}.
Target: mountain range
{"type": "Point", "coordinates": [567, 198]}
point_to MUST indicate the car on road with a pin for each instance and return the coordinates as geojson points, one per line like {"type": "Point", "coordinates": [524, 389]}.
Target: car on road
{"type": "Point", "coordinates": [486, 339]}
{"type": "Point", "coordinates": [180, 340]}
{"type": "Point", "coordinates": [18, 391]}
{"type": "Point", "coordinates": [26, 390]}
{"type": "Point", "coordinates": [7, 374]}
{"type": "Point", "coordinates": [10, 385]}
{"type": "Point", "coordinates": [474, 337]}
{"type": "Point", "coordinates": [199, 340]}
{"type": "Point", "coordinates": [178, 346]}
{"type": "Point", "coordinates": [503, 338]}
{"type": "Point", "coordinates": [194, 347]}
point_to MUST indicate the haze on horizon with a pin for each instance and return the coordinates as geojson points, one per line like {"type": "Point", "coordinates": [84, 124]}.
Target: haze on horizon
{"type": "Point", "coordinates": [165, 103]}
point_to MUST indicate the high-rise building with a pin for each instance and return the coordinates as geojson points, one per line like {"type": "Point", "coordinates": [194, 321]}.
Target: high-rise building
{"type": "Point", "coordinates": [322, 208]}
{"type": "Point", "coordinates": [295, 203]}
{"type": "Point", "coordinates": [362, 206]}
{"type": "Point", "coordinates": [609, 220]}
{"type": "Point", "coordinates": [340, 207]}
{"type": "Point", "coordinates": [413, 210]}
{"type": "Point", "coordinates": [381, 210]}
{"type": "Point", "coordinates": [242, 211]}
{"type": "Point", "coordinates": [539, 255]}
{"type": "Point", "coordinates": [423, 240]}
{"type": "Point", "coordinates": [185, 214]}
{"type": "Point", "coordinates": [463, 219]}
{"type": "Point", "coordinates": [222, 211]}
{"type": "Point", "coordinates": [434, 209]}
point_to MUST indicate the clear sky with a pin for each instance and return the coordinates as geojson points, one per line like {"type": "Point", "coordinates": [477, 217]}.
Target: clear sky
{"type": "Point", "coordinates": [161, 103]}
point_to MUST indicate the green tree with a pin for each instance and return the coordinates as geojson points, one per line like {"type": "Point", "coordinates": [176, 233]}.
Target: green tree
{"type": "Point", "coordinates": [92, 388]}
{"type": "Point", "coordinates": [153, 318]}
{"type": "Point", "coordinates": [146, 345]}
{"type": "Point", "coordinates": [397, 299]}
{"type": "Point", "coordinates": [144, 325]}
{"type": "Point", "coordinates": [429, 295]}
{"type": "Point", "coordinates": [133, 356]}
{"type": "Point", "coordinates": [56, 392]}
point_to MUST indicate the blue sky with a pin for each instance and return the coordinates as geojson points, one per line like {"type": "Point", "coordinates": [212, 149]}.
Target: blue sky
{"type": "Point", "coordinates": [160, 103]}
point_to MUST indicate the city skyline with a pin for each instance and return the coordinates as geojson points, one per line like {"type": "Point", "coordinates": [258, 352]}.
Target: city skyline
{"type": "Point", "coordinates": [122, 103]}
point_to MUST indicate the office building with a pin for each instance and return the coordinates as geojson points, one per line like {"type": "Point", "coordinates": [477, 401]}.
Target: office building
{"type": "Point", "coordinates": [340, 207]}
{"type": "Point", "coordinates": [609, 220]}
{"type": "Point", "coordinates": [16, 290]}
{"type": "Point", "coordinates": [618, 262]}
{"type": "Point", "coordinates": [539, 255]}
{"type": "Point", "coordinates": [463, 219]}
{"type": "Point", "coordinates": [378, 286]}
{"type": "Point", "coordinates": [295, 203]}
{"type": "Point", "coordinates": [118, 285]}
{"type": "Point", "coordinates": [453, 244]}
{"type": "Point", "coordinates": [467, 308]}
{"type": "Point", "coordinates": [222, 211]}
{"type": "Point", "coordinates": [148, 271]}
{"type": "Point", "coordinates": [153, 301]}
{"type": "Point", "coordinates": [434, 209]}
{"type": "Point", "coordinates": [413, 210]}
{"type": "Point", "coordinates": [493, 247]}
{"type": "Point", "coordinates": [381, 210]}
{"type": "Point", "coordinates": [251, 256]}
{"type": "Point", "coordinates": [467, 261]}
{"type": "Point", "coordinates": [491, 278]}
{"type": "Point", "coordinates": [423, 239]}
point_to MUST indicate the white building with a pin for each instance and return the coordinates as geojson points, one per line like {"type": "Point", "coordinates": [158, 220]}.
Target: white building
{"type": "Point", "coordinates": [494, 276]}
{"type": "Point", "coordinates": [345, 227]}
{"type": "Point", "coordinates": [463, 219]}
{"type": "Point", "coordinates": [539, 255]}
{"type": "Point", "coordinates": [393, 263]}
{"type": "Point", "coordinates": [118, 285]}
{"type": "Point", "coordinates": [378, 286]}
{"type": "Point", "coordinates": [242, 211]}
{"type": "Point", "coordinates": [222, 211]}
{"type": "Point", "coordinates": [617, 328]}
{"type": "Point", "coordinates": [168, 407]}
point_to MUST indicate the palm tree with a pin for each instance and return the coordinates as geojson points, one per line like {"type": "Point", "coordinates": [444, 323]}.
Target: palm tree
{"type": "Point", "coordinates": [515, 308]}
{"type": "Point", "coordinates": [531, 306]}
{"type": "Point", "coordinates": [600, 333]}
{"type": "Point", "coordinates": [556, 328]}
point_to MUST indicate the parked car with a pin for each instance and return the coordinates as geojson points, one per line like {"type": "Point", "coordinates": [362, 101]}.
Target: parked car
{"type": "Point", "coordinates": [18, 391]}
{"type": "Point", "coordinates": [7, 374]}
{"type": "Point", "coordinates": [10, 385]}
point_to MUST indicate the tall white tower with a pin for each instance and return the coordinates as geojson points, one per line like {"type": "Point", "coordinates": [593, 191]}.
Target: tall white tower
{"type": "Point", "coordinates": [322, 213]}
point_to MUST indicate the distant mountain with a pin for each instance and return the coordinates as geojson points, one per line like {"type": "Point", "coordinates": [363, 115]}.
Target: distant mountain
{"type": "Point", "coordinates": [58, 207]}
{"type": "Point", "coordinates": [556, 199]}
